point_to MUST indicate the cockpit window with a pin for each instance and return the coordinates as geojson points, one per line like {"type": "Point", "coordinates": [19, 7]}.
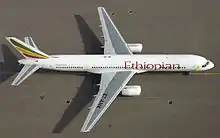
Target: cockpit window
{"type": "Point", "coordinates": [205, 64]}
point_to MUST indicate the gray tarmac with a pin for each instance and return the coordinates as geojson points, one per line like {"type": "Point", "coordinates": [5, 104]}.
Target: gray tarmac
{"type": "Point", "coordinates": [38, 108]}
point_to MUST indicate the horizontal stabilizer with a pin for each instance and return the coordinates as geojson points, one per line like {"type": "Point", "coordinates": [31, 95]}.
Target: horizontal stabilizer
{"type": "Point", "coordinates": [30, 41]}
{"type": "Point", "coordinates": [26, 71]}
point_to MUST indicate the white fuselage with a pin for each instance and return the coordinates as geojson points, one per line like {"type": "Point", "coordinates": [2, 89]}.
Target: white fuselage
{"type": "Point", "coordinates": [114, 63]}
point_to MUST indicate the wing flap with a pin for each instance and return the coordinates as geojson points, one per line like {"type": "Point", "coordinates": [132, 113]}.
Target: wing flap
{"type": "Point", "coordinates": [26, 71]}
{"type": "Point", "coordinates": [114, 42]}
{"type": "Point", "coordinates": [105, 98]}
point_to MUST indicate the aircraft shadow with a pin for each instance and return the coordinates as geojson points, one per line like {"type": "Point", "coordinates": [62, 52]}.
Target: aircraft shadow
{"type": "Point", "coordinates": [88, 87]}
{"type": "Point", "coordinates": [92, 44]}
{"type": "Point", "coordinates": [82, 98]}
{"type": "Point", "coordinates": [9, 65]}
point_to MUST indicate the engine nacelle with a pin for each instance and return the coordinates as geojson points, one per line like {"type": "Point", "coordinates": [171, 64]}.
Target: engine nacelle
{"type": "Point", "coordinates": [135, 47]}
{"type": "Point", "coordinates": [132, 90]}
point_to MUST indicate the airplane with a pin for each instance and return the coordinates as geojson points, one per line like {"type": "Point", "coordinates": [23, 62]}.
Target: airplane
{"type": "Point", "coordinates": [119, 63]}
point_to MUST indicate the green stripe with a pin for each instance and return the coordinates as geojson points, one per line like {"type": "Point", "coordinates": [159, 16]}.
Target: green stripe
{"type": "Point", "coordinates": [21, 46]}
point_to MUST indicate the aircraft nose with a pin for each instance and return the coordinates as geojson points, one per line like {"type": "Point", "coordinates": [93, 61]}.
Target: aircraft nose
{"type": "Point", "coordinates": [211, 65]}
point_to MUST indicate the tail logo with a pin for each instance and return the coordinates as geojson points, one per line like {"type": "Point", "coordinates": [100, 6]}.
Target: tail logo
{"type": "Point", "coordinates": [27, 51]}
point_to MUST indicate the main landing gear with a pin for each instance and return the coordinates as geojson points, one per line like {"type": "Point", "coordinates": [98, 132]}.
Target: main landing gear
{"type": "Point", "coordinates": [187, 73]}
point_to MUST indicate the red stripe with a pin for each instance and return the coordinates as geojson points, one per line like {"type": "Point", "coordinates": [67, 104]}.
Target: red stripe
{"type": "Point", "coordinates": [30, 56]}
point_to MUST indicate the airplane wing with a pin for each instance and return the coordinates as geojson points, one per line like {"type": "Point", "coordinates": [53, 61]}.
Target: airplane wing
{"type": "Point", "coordinates": [110, 86]}
{"type": "Point", "coordinates": [26, 71]}
{"type": "Point", "coordinates": [30, 41]}
{"type": "Point", "coordinates": [114, 42]}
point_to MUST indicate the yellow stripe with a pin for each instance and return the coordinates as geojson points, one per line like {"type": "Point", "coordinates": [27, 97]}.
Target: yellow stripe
{"type": "Point", "coordinates": [29, 53]}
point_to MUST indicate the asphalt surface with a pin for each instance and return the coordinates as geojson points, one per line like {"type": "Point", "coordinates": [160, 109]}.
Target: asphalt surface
{"type": "Point", "coordinates": [38, 107]}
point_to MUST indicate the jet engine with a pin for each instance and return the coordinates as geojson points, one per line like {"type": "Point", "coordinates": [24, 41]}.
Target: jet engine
{"type": "Point", "coordinates": [132, 90]}
{"type": "Point", "coordinates": [135, 47]}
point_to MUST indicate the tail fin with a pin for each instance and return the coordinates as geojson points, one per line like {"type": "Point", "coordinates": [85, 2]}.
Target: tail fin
{"type": "Point", "coordinates": [26, 50]}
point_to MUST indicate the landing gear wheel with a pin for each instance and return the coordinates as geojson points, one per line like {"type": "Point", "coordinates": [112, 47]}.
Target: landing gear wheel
{"type": "Point", "coordinates": [186, 73]}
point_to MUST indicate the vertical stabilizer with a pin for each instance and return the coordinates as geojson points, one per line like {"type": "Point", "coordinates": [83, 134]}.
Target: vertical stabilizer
{"type": "Point", "coordinates": [26, 50]}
